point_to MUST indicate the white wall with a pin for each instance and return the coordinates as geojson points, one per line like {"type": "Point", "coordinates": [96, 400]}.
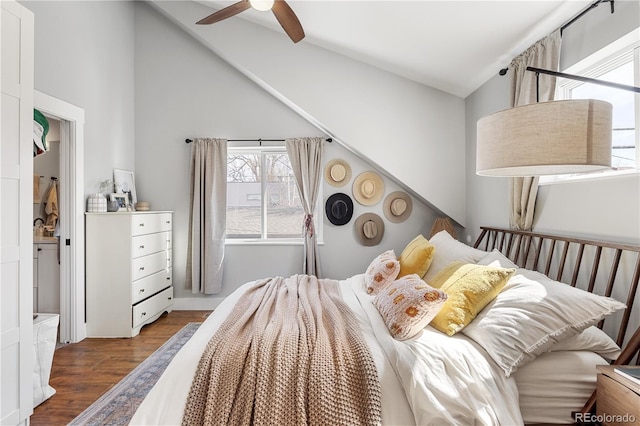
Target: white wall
{"type": "Point", "coordinates": [604, 209]}
{"type": "Point", "coordinates": [193, 93]}
{"type": "Point", "coordinates": [373, 112]}
{"type": "Point", "coordinates": [84, 56]}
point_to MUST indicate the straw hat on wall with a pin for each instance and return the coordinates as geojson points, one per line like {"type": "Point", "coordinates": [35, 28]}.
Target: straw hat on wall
{"type": "Point", "coordinates": [337, 172]}
{"type": "Point", "coordinates": [369, 229]}
{"type": "Point", "coordinates": [368, 188]}
{"type": "Point", "coordinates": [397, 206]}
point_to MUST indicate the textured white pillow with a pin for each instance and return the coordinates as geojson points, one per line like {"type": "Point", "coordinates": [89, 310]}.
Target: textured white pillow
{"type": "Point", "coordinates": [447, 250]}
{"type": "Point", "coordinates": [408, 305]}
{"type": "Point", "coordinates": [531, 314]}
{"type": "Point", "coordinates": [382, 271]}
{"type": "Point", "coordinates": [591, 339]}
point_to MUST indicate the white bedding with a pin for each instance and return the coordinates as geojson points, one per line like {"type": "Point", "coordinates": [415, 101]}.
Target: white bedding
{"type": "Point", "coordinates": [431, 379]}
{"type": "Point", "coordinates": [556, 384]}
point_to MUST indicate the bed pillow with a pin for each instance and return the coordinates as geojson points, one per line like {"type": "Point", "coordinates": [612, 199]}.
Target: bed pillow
{"type": "Point", "coordinates": [416, 257]}
{"type": "Point", "coordinates": [532, 313]}
{"type": "Point", "coordinates": [408, 305]}
{"type": "Point", "coordinates": [381, 272]}
{"type": "Point", "coordinates": [591, 339]}
{"type": "Point", "coordinates": [447, 250]}
{"type": "Point", "coordinates": [469, 288]}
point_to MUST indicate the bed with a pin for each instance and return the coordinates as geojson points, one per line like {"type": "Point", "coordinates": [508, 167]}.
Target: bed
{"type": "Point", "coordinates": [528, 355]}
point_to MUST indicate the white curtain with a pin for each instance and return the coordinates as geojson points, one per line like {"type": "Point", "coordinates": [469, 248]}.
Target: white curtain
{"type": "Point", "coordinates": [305, 155]}
{"type": "Point", "coordinates": [545, 54]}
{"type": "Point", "coordinates": [207, 215]}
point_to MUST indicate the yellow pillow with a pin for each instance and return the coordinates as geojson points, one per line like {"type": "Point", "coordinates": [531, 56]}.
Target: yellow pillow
{"type": "Point", "coordinates": [416, 257]}
{"type": "Point", "coordinates": [469, 288]}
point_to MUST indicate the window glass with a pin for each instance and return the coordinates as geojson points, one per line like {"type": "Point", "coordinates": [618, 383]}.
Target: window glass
{"type": "Point", "coordinates": [263, 202]}
{"type": "Point", "coordinates": [623, 138]}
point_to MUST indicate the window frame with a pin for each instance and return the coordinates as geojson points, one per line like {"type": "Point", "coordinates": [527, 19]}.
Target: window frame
{"type": "Point", "coordinates": [271, 148]}
{"type": "Point", "coordinates": [621, 51]}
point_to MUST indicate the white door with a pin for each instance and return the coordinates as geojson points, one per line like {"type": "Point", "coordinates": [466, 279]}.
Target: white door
{"type": "Point", "coordinates": [16, 239]}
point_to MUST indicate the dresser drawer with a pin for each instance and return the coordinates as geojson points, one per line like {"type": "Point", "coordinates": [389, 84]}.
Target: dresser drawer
{"type": "Point", "coordinates": [145, 287]}
{"type": "Point", "coordinates": [149, 223]}
{"type": "Point", "coordinates": [147, 265]}
{"type": "Point", "coordinates": [150, 307]}
{"type": "Point", "coordinates": [143, 245]}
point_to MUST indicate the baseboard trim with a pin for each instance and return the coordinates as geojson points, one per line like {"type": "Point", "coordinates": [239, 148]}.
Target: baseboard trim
{"type": "Point", "coordinates": [196, 303]}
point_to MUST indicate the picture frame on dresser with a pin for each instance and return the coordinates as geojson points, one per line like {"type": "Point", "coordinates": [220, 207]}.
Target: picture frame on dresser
{"type": "Point", "coordinates": [122, 199]}
{"type": "Point", "coordinates": [125, 182]}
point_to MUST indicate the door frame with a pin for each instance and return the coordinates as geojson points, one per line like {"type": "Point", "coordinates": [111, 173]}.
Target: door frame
{"type": "Point", "coordinates": [71, 204]}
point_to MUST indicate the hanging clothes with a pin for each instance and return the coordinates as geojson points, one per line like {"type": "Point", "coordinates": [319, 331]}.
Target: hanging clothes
{"type": "Point", "coordinates": [51, 204]}
{"type": "Point", "coordinates": [40, 130]}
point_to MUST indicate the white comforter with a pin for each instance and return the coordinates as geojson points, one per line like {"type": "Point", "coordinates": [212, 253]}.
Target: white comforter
{"type": "Point", "coordinates": [432, 379]}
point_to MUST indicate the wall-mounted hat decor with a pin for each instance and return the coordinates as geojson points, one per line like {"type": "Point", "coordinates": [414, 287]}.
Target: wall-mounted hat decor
{"type": "Point", "coordinates": [339, 208]}
{"type": "Point", "coordinates": [397, 206]}
{"type": "Point", "coordinates": [369, 229]}
{"type": "Point", "coordinates": [368, 188]}
{"type": "Point", "coordinates": [337, 172]}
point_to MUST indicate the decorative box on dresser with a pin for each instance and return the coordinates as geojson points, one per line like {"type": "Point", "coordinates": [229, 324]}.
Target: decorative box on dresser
{"type": "Point", "coordinates": [617, 398]}
{"type": "Point", "coordinates": [128, 271]}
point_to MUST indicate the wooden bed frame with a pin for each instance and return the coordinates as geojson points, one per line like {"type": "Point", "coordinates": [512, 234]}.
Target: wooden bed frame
{"type": "Point", "coordinates": [558, 256]}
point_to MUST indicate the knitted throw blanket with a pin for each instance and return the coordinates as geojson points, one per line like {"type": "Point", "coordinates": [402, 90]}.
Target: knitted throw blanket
{"type": "Point", "coordinates": [290, 353]}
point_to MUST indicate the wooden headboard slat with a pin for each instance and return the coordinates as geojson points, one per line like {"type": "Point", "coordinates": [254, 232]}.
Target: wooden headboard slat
{"type": "Point", "coordinates": [576, 267]}
{"type": "Point", "coordinates": [594, 269]}
{"type": "Point", "coordinates": [550, 256]}
{"type": "Point", "coordinates": [563, 260]}
{"type": "Point", "coordinates": [538, 251]}
{"type": "Point", "coordinates": [614, 271]}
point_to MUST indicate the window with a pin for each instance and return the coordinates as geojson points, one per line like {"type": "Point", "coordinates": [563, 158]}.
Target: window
{"type": "Point", "coordinates": [617, 63]}
{"type": "Point", "coordinates": [262, 197]}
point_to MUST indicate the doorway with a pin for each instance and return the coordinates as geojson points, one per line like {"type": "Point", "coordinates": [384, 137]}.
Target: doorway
{"type": "Point", "coordinates": [71, 220]}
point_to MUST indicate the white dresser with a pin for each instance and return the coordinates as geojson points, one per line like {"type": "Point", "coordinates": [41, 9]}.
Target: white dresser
{"type": "Point", "coordinates": [128, 271]}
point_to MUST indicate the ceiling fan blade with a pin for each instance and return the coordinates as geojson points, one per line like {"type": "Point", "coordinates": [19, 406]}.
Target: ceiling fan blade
{"type": "Point", "coordinates": [225, 13]}
{"type": "Point", "coordinates": [288, 19]}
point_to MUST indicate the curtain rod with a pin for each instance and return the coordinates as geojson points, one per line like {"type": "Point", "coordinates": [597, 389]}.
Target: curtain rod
{"type": "Point", "coordinates": [255, 140]}
{"type": "Point", "coordinates": [592, 6]}
{"type": "Point", "coordinates": [585, 79]}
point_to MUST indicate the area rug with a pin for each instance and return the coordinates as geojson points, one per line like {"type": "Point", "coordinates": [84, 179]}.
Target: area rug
{"type": "Point", "coordinates": [117, 406]}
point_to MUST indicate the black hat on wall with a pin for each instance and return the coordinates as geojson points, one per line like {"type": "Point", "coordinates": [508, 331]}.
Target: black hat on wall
{"type": "Point", "coordinates": [339, 208]}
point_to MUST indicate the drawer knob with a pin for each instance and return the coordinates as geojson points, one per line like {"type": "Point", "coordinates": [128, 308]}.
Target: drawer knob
{"type": "Point", "coordinates": [141, 247]}
{"type": "Point", "coordinates": [142, 290]}
{"type": "Point", "coordinates": [144, 314]}
{"type": "Point", "coordinates": [168, 278]}
{"type": "Point", "coordinates": [142, 268]}
{"type": "Point", "coordinates": [168, 222]}
{"type": "Point", "coordinates": [168, 298]}
{"type": "Point", "coordinates": [142, 224]}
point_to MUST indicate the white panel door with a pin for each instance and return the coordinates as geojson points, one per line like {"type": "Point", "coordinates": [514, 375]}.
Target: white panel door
{"type": "Point", "coordinates": [16, 240]}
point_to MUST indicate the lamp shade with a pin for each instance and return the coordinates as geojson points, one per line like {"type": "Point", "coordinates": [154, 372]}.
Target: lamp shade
{"type": "Point", "coordinates": [546, 138]}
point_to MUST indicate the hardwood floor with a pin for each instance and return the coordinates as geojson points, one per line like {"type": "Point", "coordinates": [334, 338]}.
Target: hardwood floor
{"type": "Point", "coordinates": [83, 371]}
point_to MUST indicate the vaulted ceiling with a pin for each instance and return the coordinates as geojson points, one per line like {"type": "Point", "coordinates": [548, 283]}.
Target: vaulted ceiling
{"type": "Point", "coordinates": [454, 46]}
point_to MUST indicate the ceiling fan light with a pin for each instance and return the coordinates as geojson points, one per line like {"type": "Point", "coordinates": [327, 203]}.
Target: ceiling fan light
{"type": "Point", "coordinates": [261, 5]}
{"type": "Point", "coordinates": [546, 138]}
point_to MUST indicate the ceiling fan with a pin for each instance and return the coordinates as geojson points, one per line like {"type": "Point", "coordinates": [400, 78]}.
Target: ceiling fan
{"type": "Point", "coordinates": [283, 13]}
